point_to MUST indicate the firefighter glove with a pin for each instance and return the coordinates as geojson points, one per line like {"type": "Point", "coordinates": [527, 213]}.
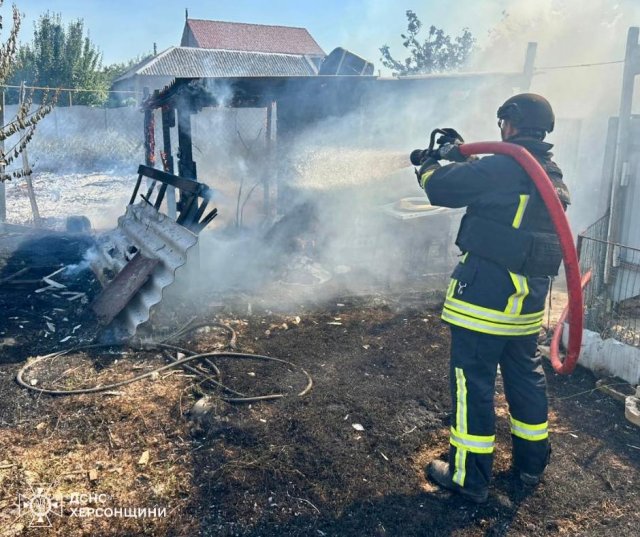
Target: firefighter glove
{"type": "Point", "coordinates": [452, 153]}
{"type": "Point", "coordinates": [426, 170]}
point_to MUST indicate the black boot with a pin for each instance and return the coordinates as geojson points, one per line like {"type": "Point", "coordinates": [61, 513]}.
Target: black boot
{"type": "Point", "coordinates": [438, 472]}
{"type": "Point", "coordinates": [533, 479]}
{"type": "Point", "coordinates": [530, 479]}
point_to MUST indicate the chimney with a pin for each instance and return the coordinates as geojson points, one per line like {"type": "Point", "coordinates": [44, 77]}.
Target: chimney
{"type": "Point", "coordinates": [155, 49]}
{"type": "Point", "coordinates": [186, 13]}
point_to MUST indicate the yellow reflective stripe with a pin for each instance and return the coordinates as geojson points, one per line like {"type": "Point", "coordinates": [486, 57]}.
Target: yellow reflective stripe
{"type": "Point", "coordinates": [537, 427]}
{"type": "Point", "coordinates": [524, 200]}
{"type": "Point", "coordinates": [487, 327]}
{"type": "Point", "coordinates": [426, 176]}
{"type": "Point", "coordinates": [531, 432]}
{"type": "Point", "coordinates": [454, 282]}
{"type": "Point", "coordinates": [474, 437]}
{"type": "Point", "coordinates": [516, 300]}
{"type": "Point", "coordinates": [460, 471]}
{"type": "Point", "coordinates": [452, 286]}
{"type": "Point", "coordinates": [472, 443]}
{"type": "Point", "coordinates": [529, 436]}
{"type": "Point", "coordinates": [466, 446]}
{"type": "Point", "coordinates": [461, 400]}
{"type": "Point", "coordinates": [461, 467]}
{"type": "Point", "coordinates": [492, 315]}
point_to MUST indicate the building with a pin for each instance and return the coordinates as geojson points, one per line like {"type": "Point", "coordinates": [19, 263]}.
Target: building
{"type": "Point", "coordinates": [217, 49]}
{"type": "Point", "coordinates": [220, 35]}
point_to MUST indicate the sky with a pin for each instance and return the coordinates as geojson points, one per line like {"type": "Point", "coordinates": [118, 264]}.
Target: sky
{"type": "Point", "coordinates": [124, 29]}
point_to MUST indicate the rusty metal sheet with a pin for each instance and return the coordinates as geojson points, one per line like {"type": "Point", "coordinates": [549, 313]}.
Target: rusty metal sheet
{"type": "Point", "coordinates": [117, 294]}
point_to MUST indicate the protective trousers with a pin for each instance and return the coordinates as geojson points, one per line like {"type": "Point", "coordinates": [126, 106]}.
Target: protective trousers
{"type": "Point", "coordinates": [474, 360]}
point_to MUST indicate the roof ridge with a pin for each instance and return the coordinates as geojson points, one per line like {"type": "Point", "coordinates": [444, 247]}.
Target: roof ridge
{"type": "Point", "coordinates": [253, 24]}
{"type": "Point", "coordinates": [143, 64]}
{"type": "Point", "coordinates": [192, 62]}
{"type": "Point", "coordinates": [207, 50]}
{"type": "Point", "coordinates": [157, 57]}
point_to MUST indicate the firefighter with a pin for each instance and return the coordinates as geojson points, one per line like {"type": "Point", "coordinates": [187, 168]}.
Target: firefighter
{"type": "Point", "coordinates": [495, 300]}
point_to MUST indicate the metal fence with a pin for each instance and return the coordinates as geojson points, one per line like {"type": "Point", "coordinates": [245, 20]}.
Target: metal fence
{"type": "Point", "coordinates": [78, 136]}
{"type": "Point", "coordinates": [74, 139]}
{"type": "Point", "coordinates": [77, 142]}
{"type": "Point", "coordinates": [612, 299]}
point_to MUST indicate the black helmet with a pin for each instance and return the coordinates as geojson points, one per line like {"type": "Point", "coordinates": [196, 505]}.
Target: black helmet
{"type": "Point", "coordinates": [528, 111]}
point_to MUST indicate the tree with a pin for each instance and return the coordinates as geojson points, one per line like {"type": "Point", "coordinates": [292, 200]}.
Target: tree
{"type": "Point", "coordinates": [23, 125]}
{"type": "Point", "coordinates": [437, 53]}
{"type": "Point", "coordinates": [62, 57]}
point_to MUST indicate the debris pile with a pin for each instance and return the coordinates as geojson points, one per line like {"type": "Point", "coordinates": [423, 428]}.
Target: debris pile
{"type": "Point", "coordinates": [46, 287]}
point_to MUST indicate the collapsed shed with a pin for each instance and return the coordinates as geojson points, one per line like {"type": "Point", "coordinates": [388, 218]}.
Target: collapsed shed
{"type": "Point", "coordinates": [293, 102]}
{"type": "Point", "coordinates": [290, 105]}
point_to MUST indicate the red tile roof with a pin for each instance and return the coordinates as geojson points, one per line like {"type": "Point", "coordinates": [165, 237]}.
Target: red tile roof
{"type": "Point", "coordinates": [250, 37]}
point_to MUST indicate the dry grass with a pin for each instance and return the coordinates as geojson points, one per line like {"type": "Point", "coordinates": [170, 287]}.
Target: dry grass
{"type": "Point", "coordinates": [59, 441]}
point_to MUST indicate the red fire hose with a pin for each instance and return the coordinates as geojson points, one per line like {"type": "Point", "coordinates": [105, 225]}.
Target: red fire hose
{"type": "Point", "coordinates": [569, 254]}
{"type": "Point", "coordinates": [557, 332]}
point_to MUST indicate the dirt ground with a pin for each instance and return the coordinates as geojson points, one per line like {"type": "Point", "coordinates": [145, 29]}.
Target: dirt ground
{"type": "Point", "coordinates": [345, 460]}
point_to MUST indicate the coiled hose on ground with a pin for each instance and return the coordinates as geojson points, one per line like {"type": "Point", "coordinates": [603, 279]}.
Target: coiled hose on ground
{"type": "Point", "coordinates": [214, 377]}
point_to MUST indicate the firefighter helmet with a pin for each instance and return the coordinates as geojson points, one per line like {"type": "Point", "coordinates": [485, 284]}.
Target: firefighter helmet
{"type": "Point", "coordinates": [528, 111]}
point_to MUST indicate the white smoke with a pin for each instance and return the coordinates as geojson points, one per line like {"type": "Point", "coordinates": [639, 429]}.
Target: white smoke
{"type": "Point", "coordinates": [346, 170]}
{"type": "Point", "coordinates": [568, 33]}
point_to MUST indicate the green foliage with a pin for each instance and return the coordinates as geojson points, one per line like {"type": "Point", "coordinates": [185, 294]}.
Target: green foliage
{"type": "Point", "coordinates": [63, 57]}
{"type": "Point", "coordinates": [437, 53]}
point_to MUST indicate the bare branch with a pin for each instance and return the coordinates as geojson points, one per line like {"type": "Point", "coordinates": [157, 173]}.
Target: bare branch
{"type": "Point", "coordinates": [25, 122]}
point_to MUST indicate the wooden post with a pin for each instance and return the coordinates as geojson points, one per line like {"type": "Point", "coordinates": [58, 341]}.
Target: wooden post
{"type": "Point", "coordinates": [168, 121]}
{"type": "Point", "coordinates": [186, 165]}
{"type": "Point", "coordinates": [3, 199]}
{"type": "Point", "coordinates": [270, 170]}
{"type": "Point", "coordinates": [149, 137]}
{"type": "Point", "coordinates": [149, 134]}
{"type": "Point", "coordinates": [27, 173]}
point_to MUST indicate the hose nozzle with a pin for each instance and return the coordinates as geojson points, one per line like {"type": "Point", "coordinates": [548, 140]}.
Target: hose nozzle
{"type": "Point", "coordinates": [418, 156]}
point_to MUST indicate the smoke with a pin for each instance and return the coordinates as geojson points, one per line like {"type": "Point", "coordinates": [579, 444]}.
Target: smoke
{"type": "Point", "coordinates": [568, 32]}
{"type": "Point", "coordinates": [343, 226]}
{"type": "Point", "coordinates": [340, 179]}
{"type": "Point", "coordinates": [89, 257]}
{"type": "Point", "coordinates": [573, 38]}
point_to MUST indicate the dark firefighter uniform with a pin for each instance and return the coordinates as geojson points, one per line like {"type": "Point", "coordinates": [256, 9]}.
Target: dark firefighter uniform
{"type": "Point", "coordinates": [495, 305]}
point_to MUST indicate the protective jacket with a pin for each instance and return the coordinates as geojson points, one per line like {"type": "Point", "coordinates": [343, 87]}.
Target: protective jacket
{"type": "Point", "coordinates": [507, 238]}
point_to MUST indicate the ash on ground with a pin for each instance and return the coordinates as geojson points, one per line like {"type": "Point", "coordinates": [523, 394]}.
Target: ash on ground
{"type": "Point", "coordinates": [45, 288]}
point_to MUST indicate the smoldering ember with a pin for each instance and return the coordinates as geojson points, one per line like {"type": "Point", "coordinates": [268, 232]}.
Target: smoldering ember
{"type": "Point", "coordinates": [238, 301]}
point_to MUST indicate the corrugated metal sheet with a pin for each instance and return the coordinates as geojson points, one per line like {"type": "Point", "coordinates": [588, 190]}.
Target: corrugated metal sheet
{"type": "Point", "coordinates": [252, 37]}
{"type": "Point", "coordinates": [156, 236]}
{"type": "Point", "coordinates": [188, 62]}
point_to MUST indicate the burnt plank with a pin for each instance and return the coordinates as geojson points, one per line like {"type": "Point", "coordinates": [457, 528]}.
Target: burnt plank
{"type": "Point", "coordinates": [117, 294]}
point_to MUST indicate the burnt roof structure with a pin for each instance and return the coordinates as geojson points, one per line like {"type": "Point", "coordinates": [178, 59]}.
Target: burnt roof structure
{"type": "Point", "coordinates": [294, 103]}
{"type": "Point", "coordinates": [208, 34]}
